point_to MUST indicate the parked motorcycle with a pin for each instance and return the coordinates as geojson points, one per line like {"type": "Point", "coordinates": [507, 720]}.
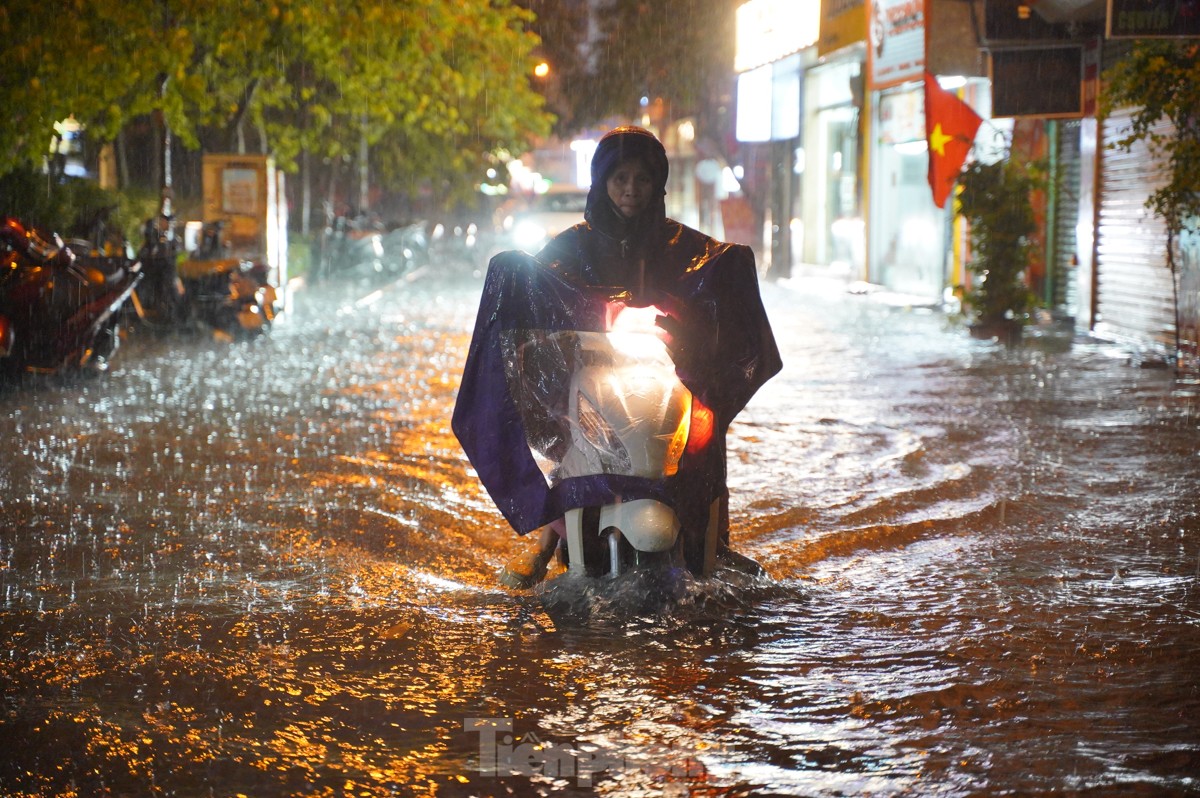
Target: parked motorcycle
{"type": "Point", "coordinates": [231, 295]}
{"type": "Point", "coordinates": [59, 310]}
{"type": "Point", "coordinates": [159, 300]}
{"type": "Point", "coordinates": [406, 249]}
{"type": "Point", "coordinates": [210, 290]}
{"type": "Point", "coordinates": [458, 247]}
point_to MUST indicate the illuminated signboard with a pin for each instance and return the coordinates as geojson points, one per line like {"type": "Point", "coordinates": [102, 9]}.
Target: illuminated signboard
{"type": "Point", "coordinates": [843, 22]}
{"type": "Point", "coordinates": [768, 30]}
{"type": "Point", "coordinates": [769, 101]}
{"type": "Point", "coordinates": [896, 39]}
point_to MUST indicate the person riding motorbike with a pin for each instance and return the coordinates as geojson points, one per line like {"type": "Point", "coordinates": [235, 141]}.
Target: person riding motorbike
{"type": "Point", "coordinates": [707, 290]}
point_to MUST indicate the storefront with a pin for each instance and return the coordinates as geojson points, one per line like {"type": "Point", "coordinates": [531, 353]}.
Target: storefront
{"type": "Point", "coordinates": [775, 48]}
{"type": "Point", "coordinates": [911, 242]}
{"type": "Point", "coordinates": [833, 133]}
{"type": "Point", "coordinates": [906, 246]}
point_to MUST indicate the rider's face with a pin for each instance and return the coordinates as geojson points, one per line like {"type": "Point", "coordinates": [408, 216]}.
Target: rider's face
{"type": "Point", "coordinates": [629, 187]}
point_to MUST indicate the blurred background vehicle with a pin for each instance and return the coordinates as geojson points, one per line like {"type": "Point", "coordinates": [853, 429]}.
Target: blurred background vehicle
{"type": "Point", "coordinates": [530, 223]}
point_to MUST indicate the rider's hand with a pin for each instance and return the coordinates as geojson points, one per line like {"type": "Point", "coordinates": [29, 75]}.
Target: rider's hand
{"type": "Point", "coordinates": [687, 346]}
{"type": "Point", "coordinates": [674, 334]}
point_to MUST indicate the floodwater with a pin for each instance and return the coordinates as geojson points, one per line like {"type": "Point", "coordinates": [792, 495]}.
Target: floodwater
{"type": "Point", "coordinates": [266, 569]}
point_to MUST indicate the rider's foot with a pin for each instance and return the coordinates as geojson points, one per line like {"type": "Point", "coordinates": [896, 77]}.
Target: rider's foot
{"type": "Point", "coordinates": [528, 568]}
{"type": "Point", "coordinates": [728, 558]}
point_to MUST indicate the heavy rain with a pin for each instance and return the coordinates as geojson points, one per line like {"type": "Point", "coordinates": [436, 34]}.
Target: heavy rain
{"type": "Point", "coordinates": [243, 551]}
{"type": "Point", "coordinates": [267, 568]}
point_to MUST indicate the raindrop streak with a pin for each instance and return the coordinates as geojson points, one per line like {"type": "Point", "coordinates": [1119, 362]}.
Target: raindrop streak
{"type": "Point", "coordinates": [268, 569]}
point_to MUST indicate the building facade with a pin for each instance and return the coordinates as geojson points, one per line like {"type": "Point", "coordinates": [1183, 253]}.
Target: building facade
{"type": "Point", "coordinates": [832, 125]}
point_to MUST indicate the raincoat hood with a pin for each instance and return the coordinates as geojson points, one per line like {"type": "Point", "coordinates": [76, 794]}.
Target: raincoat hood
{"type": "Point", "coordinates": [621, 144]}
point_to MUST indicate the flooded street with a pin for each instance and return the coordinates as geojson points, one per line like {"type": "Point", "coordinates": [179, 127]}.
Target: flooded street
{"type": "Point", "coordinates": [267, 569]}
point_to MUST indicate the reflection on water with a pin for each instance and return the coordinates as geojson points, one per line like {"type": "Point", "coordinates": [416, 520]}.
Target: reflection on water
{"type": "Point", "coordinates": [268, 570]}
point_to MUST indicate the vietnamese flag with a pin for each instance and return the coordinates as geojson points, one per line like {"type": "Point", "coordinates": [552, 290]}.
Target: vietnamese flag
{"type": "Point", "coordinates": [950, 127]}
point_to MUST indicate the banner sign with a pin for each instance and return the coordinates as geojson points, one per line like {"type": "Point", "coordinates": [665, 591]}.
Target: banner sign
{"type": "Point", "coordinates": [1153, 19]}
{"type": "Point", "coordinates": [896, 39]}
{"type": "Point", "coordinates": [843, 23]}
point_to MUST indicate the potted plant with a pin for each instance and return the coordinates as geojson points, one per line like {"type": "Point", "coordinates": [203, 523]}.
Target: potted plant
{"type": "Point", "coordinates": [996, 202]}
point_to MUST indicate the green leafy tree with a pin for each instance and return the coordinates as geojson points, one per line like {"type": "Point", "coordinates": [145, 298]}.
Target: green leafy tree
{"type": "Point", "coordinates": [440, 84]}
{"type": "Point", "coordinates": [470, 97]}
{"type": "Point", "coordinates": [1160, 80]}
{"type": "Point", "coordinates": [676, 51]}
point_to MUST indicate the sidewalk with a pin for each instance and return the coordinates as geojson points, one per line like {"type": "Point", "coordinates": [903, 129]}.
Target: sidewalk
{"type": "Point", "coordinates": [833, 283]}
{"type": "Point", "coordinates": [831, 279]}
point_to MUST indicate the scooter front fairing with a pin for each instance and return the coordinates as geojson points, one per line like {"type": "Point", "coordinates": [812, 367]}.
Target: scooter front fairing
{"type": "Point", "coordinates": [606, 404]}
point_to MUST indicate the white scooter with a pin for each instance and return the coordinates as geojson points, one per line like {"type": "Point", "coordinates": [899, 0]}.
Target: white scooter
{"type": "Point", "coordinates": [626, 413]}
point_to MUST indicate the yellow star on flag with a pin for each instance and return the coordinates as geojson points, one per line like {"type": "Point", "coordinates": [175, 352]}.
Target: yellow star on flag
{"type": "Point", "coordinates": [938, 139]}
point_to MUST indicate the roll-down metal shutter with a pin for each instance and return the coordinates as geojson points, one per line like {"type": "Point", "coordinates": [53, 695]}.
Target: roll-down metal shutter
{"type": "Point", "coordinates": [1065, 290]}
{"type": "Point", "coordinates": [1134, 297]}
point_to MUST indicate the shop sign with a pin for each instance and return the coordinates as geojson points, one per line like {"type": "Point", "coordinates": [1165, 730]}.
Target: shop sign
{"type": "Point", "coordinates": [843, 22]}
{"type": "Point", "coordinates": [896, 42]}
{"type": "Point", "coordinates": [769, 102]}
{"type": "Point", "coordinates": [1153, 19]}
{"type": "Point", "coordinates": [768, 30]}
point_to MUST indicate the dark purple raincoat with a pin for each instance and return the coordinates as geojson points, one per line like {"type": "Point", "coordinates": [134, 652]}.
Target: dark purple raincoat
{"type": "Point", "coordinates": [722, 344]}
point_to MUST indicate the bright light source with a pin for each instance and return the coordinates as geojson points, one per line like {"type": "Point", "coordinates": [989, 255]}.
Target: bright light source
{"type": "Point", "coordinates": [529, 235]}
{"type": "Point", "coordinates": [730, 180]}
{"type": "Point", "coordinates": [191, 234]}
{"type": "Point", "coordinates": [635, 333]}
{"type": "Point", "coordinates": [912, 147]}
{"type": "Point", "coordinates": [629, 319]}
{"type": "Point", "coordinates": [541, 70]}
{"type": "Point", "coordinates": [754, 105]}
{"type": "Point", "coordinates": [768, 30]}
{"type": "Point", "coordinates": [584, 149]}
